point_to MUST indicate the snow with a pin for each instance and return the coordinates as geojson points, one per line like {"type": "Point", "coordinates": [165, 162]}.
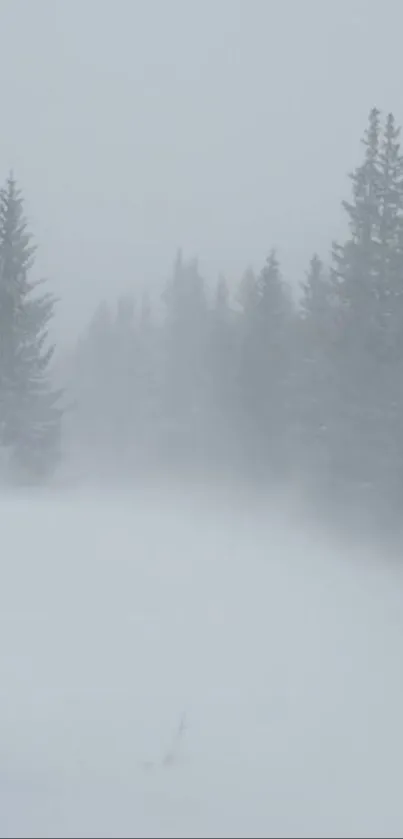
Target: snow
{"type": "Point", "coordinates": [279, 648]}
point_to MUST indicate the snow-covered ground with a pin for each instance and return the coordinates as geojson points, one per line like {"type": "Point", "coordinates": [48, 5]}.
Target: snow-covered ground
{"type": "Point", "coordinates": [281, 653]}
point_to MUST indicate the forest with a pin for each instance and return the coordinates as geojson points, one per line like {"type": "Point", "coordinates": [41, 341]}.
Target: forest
{"type": "Point", "coordinates": [252, 382]}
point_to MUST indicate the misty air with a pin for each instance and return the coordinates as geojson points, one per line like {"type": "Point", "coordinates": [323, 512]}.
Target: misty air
{"type": "Point", "coordinates": [201, 418]}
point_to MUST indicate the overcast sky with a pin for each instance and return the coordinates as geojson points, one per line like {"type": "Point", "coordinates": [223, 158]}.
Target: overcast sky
{"type": "Point", "coordinates": [224, 126]}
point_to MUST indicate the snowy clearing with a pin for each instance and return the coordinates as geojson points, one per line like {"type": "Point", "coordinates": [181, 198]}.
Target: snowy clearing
{"type": "Point", "coordinates": [174, 668]}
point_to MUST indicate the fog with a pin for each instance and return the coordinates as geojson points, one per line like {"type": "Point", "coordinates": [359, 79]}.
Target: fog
{"type": "Point", "coordinates": [223, 126]}
{"type": "Point", "coordinates": [201, 414]}
{"type": "Point", "coordinates": [278, 649]}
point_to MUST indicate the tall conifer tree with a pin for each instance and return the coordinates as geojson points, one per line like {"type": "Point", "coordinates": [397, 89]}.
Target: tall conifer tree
{"type": "Point", "coordinates": [30, 416]}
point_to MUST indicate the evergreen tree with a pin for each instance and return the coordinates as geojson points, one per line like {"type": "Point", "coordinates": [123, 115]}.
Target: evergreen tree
{"type": "Point", "coordinates": [367, 281]}
{"type": "Point", "coordinates": [146, 384]}
{"type": "Point", "coordinates": [389, 333]}
{"type": "Point", "coordinates": [355, 262]}
{"type": "Point", "coordinates": [116, 382]}
{"type": "Point", "coordinates": [30, 418]}
{"type": "Point", "coordinates": [123, 387]}
{"type": "Point", "coordinates": [367, 268]}
{"type": "Point", "coordinates": [390, 275]}
{"type": "Point", "coordinates": [184, 358]}
{"type": "Point", "coordinates": [265, 356]}
{"type": "Point", "coordinates": [315, 302]}
{"type": "Point", "coordinates": [221, 367]}
{"type": "Point", "coordinates": [315, 408]}
{"type": "Point", "coordinates": [92, 422]}
{"type": "Point", "coordinates": [247, 292]}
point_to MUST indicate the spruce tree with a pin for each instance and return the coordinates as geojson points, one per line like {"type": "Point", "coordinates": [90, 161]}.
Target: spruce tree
{"type": "Point", "coordinates": [355, 263]}
{"type": "Point", "coordinates": [89, 424]}
{"type": "Point", "coordinates": [388, 341]}
{"type": "Point", "coordinates": [264, 377]}
{"type": "Point", "coordinates": [221, 367]}
{"type": "Point", "coordinates": [184, 353]}
{"type": "Point", "coordinates": [29, 406]}
{"type": "Point", "coordinates": [367, 282]}
{"type": "Point", "coordinates": [105, 376]}
{"type": "Point", "coordinates": [389, 286]}
{"type": "Point", "coordinates": [316, 332]}
{"type": "Point", "coordinates": [247, 291]}
{"type": "Point", "coordinates": [316, 303]}
{"type": "Point", "coordinates": [145, 384]}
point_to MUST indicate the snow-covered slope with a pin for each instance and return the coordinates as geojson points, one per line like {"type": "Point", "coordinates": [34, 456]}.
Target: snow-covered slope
{"type": "Point", "coordinates": [281, 654]}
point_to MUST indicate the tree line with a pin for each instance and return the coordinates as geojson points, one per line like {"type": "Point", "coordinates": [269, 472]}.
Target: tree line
{"type": "Point", "coordinates": [252, 382]}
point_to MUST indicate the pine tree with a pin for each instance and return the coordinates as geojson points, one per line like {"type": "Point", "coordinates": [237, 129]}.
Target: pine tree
{"type": "Point", "coordinates": [315, 302]}
{"type": "Point", "coordinates": [184, 357]}
{"type": "Point", "coordinates": [389, 323]}
{"type": "Point", "coordinates": [146, 384]}
{"type": "Point", "coordinates": [90, 424]}
{"type": "Point", "coordinates": [389, 287]}
{"type": "Point", "coordinates": [247, 291]}
{"type": "Point", "coordinates": [221, 361]}
{"type": "Point", "coordinates": [367, 268]}
{"type": "Point", "coordinates": [367, 282]}
{"type": "Point", "coordinates": [355, 263]}
{"type": "Point", "coordinates": [317, 329]}
{"type": "Point", "coordinates": [273, 303]}
{"type": "Point", "coordinates": [264, 377]}
{"type": "Point", "coordinates": [30, 416]}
